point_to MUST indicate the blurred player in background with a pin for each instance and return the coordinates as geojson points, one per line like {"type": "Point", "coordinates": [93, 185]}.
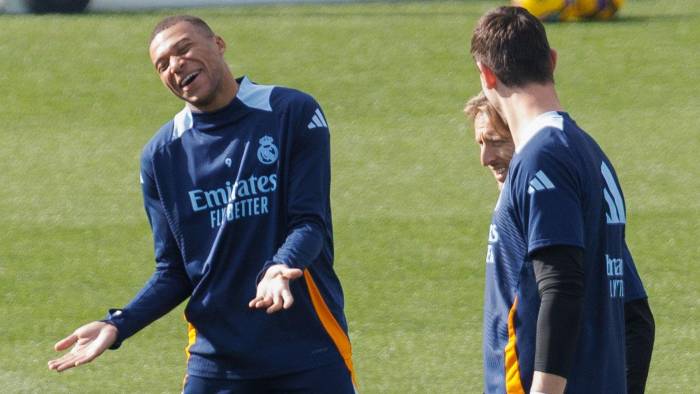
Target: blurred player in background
{"type": "Point", "coordinates": [571, 10]}
{"type": "Point", "coordinates": [236, 189]}
{"type": "Point", "coordinates": [554, 300]}
{"type": "Point", "coordinates": [496, 151]}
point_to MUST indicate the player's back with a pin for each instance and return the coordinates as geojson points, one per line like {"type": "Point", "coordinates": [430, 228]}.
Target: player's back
{"type": "Point", "coordinates": [562, 190]}
{"type": "Point", "coordinates": [599, 362]}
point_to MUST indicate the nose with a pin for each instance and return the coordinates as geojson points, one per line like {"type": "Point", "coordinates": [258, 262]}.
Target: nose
{"type": "Point", "coordinates": [175, 64]}
{"type": "Point", "coordinates": [487, 156]}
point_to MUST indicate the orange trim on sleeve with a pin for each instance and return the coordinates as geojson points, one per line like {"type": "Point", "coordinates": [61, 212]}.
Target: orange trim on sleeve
{"type": "Point", "coordinates": [513, 383]}
{"type": "Point", "coordinates": [191, 338]}
{"type": "Point", "coordinates": [332, 327]}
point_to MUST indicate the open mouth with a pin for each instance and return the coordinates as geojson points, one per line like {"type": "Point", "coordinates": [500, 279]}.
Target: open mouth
{"type": "Point", "coordinates": [500, 170]}
{"type": "Point", "coordinates": [189, 78]}
{"type": "Point", "coordinates": [500, 173]}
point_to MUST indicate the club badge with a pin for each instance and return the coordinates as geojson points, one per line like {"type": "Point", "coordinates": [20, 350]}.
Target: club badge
{"type": "Point", "coordinates": [267, 151]}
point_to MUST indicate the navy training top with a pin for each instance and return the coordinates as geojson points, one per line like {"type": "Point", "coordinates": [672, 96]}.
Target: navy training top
{"type": "Point", "coordinates": [561, 190]}
{"type": "Point", "coordinates": [227, 194]}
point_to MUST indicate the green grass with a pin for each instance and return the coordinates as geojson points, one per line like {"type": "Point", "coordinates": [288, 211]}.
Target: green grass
{"type": "Point", "coordinates": [411, 205]}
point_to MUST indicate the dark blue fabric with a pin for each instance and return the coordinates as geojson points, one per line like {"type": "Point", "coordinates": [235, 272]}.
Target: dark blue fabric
{"type": "Point", "coordinates": [330, 379]}
{"type": "Point", "coordinates": [634, 288]}
{"type": "Point", "coordinates": [234, 191]}
{"type": "Point", "coordinates": [555, 194]}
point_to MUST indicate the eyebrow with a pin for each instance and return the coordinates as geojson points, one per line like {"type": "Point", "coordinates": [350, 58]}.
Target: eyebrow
{"type": "Point", "coordinates": [177, 47]}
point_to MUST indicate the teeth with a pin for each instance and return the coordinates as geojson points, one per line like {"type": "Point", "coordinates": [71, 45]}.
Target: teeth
{"type": "Point", "coordinates": [186, 81]}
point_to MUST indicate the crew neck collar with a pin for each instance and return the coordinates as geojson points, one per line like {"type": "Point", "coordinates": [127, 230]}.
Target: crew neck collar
{"type": "Point", "coordinates": [553, 119]}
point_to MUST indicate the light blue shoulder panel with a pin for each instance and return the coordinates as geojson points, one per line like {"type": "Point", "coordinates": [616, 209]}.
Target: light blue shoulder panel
{"type": "Point", "coordinates": [255, 96]}
{"type": "Point", "coordinates": [182, 122]}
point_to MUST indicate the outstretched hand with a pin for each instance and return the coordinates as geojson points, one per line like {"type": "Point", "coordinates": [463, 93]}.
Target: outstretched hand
{"type": "Point", "coordinates": [273, 290]}
{"type": "Point", "coordinates": [88, 341]}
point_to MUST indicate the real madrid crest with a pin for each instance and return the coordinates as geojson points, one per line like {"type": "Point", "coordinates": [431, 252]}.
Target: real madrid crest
{"type": "Point", "coordinates": [267, 151]}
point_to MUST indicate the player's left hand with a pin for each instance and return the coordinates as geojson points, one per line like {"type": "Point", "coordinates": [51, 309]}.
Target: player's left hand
{"type": "Point", "coordinates": [273, 290]}
{"type": "Point", "coordinates": [88, 341]}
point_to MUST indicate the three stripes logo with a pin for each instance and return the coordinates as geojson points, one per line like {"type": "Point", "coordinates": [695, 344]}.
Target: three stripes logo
{"type": "Point", "coordinates": [317, 120]}
{"type": "Point", "coordinates": [613, 198]}
{"type": "Point", "coordinates": [540, 182]}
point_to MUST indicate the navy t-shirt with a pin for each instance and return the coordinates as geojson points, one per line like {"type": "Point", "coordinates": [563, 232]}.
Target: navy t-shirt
{"type": "Point", "coordinates": [561, 190]}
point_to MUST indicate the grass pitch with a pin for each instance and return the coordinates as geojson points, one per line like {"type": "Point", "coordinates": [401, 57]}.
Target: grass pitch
{"type": "Point", "coordinates": [411, 205]}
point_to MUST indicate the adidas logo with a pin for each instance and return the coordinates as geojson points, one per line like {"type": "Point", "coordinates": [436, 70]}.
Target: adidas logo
{"type": "Point", "coordinates": [613, 198]}
{"type": "Point", "coordinates": [540, 182]}
{"type": "Point", "coordinates": [318, 120]}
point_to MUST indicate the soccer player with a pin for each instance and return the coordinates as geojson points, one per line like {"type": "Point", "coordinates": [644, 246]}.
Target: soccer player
{"type": "Point", "coordinates": [493, 137]}
{"type": "Point", "coordinates": [496, 151]}
{"type": "Point", "coordinates": [236, 189]}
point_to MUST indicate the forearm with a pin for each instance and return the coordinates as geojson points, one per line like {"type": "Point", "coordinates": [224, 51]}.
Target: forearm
{"type": "Point", "coordinates": [639, 343]}
{"type": "Point", "coordinates": [301, 247]}
{"type": "Point", "coordinates": [558, 325]}
{"type": "Point", "coordinates": [559, 275]}
{"type": "Point", "coordinates": [546, 383]}
{"type": "Point", "coordinates": [164, 291]}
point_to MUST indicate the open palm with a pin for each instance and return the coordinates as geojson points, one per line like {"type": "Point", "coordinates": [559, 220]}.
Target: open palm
{"type": "Point", "coordinates": [88, 341]}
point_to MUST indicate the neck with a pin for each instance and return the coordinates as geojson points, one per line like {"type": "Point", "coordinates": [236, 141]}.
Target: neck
{"type": "Point", "coordinates": [519, 106]}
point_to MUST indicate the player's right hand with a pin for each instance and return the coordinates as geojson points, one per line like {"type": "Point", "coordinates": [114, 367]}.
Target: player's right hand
{"type": "Point", "coordinates": [273, 293]}
{"type": "Point", "coordinates": [88, 341]}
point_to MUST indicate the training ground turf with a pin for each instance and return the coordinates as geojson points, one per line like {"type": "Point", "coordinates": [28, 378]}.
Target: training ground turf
{"type": "Point", "coordinates": [411, 205]}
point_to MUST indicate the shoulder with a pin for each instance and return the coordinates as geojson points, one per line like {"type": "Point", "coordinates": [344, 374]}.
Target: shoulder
{"type": "Point", "coordinates": [286, 96]}
{"type": "Point", "coordinates": [167, 133]}
{"type": "Point", "coordinates": [293, 101]}
{"type": "Point", "coordinates": [549, 147]}
{"type": "Point", "coordinates": [547, 161]}
{"type": "Point", "coordinates": [272, 98]}
{"type": "Point", "coordinates": [161, 138]}
{"type": "Point", "coordinates": [300, 108]}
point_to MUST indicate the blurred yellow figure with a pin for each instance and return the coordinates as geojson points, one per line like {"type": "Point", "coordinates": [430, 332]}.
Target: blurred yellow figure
{"type": "Point", "coordinates": [546, 10]}
{"type": "Point", "coordinates": [571, 10]}
{"type": "Point", "coordinates": [596, 9]}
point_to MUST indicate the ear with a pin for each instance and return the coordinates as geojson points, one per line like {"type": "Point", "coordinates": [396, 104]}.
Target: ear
{"type": "Point", "coordinates": [221, 44]}
{"type": "Point", "coordinates": [553, 56]}
{"type": "Point", "coordinates": [487, 75]}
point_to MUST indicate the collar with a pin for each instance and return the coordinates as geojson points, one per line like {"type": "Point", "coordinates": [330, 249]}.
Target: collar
{"type": "Point", "coordinates": [548, 119]}
{"type": "Point", "coordinates": [250, 96]}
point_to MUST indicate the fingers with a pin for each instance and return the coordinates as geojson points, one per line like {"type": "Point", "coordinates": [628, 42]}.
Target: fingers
{"type": "Point", "coordinates": [66, 342]}
{"type": "Point", "coordinates": [252, 302]}
{"type": "Point", "coordinates": [259, 297]}
{"type": "Point", "coordinates": [292, 273]}
{"type": "Point", "coordinates": [288, 299]}
{"type": "Point", "coordinates": [88, 342]}
{"type": "Point", "coordinates": [282, 300]}
{"type": "Point", "coordinates": [276, 303]}
{"type": "Point", "coordinates": [63, 363]}
{"type": "Point", "coordinates": [273, 292]}
{"type": "Point", "coordinates": [261, 301]}
{"type": "Point", "coordinates": [273, 301]}
{"type": "Point", "coordinates": [69, 360]}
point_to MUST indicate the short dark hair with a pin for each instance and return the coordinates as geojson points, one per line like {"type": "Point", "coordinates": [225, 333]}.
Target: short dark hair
{"type": "Point", "coordinates": [513, 43]}
{"type": "Point", "coordinates": [171, 21]}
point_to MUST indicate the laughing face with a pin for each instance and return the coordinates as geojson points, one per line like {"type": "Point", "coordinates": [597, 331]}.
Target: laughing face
{"type": "Point", "coordinates": [497, 146]}
{"type": "Point", "coordinates": [190, 63]}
